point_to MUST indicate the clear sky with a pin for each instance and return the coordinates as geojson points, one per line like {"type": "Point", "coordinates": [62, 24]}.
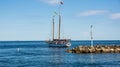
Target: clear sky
{"type": "Point", "coordinates": [32, 19]}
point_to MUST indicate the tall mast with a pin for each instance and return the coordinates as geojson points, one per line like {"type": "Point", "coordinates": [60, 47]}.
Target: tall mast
{"type": "Point", "coordinates": [53, 28]}
{"type": "Point", "coordinates": [59, 20]}
{"type": "Point", "coordinates": [59, 26]}
{"type": "Point", "coordinates": [53, 24]}
{"type": "Point", "coordinates": [91, 36]}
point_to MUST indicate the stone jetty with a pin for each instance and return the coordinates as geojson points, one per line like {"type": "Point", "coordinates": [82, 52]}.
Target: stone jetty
{"type": "Point", "coordinates": [95, 49]}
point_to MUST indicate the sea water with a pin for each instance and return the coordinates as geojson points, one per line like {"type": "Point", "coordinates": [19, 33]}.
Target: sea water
{"type": "Point", "coordinates": [39, 54]}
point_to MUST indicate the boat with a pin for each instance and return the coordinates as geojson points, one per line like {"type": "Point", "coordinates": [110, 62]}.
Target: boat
{"type": "Point", "coordinates": [58, 42]}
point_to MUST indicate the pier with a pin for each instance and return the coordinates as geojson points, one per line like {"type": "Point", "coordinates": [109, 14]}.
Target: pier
{"type": "Point", "coordinates": [95, 49]}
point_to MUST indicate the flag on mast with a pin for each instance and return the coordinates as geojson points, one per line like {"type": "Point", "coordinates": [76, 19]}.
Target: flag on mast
{"type": "Point", "coordinates": [61, 2]}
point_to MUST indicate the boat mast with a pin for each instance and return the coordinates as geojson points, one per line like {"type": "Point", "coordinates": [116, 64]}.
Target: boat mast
{"type": "Point", "coordinates": [53, 25]}
{"type": "Point", "coordinates": [59, 20]}
{"type": "Point", "coordinates": [59, 26]}
{"type": "Point", "coordinates": [53, 28]}
{"type": "Point", "coordinates": [91, 36]}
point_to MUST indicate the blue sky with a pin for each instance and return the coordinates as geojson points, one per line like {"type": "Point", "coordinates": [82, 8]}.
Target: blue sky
{"type": "Point", "coordinates": [32, 19]}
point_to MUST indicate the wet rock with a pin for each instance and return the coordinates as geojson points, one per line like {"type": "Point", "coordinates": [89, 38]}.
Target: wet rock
{"type": "Point", "coordinates": [98, 50]}
{"type": "Point", "coordinates": [117, 50]}
{"type": "Point", "coordinates": [91, 50]}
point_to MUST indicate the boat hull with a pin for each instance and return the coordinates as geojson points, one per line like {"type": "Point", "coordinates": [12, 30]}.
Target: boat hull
{"type": "Point", "coordinates": [59, 43]}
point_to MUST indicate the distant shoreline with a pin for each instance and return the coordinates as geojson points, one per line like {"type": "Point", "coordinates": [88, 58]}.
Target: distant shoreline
{"type": "Point", "coordinates": [71, 40]}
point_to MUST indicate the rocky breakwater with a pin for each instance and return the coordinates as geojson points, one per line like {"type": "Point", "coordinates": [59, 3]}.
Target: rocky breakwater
{"type": "Point", "coordinates": [95, 49]}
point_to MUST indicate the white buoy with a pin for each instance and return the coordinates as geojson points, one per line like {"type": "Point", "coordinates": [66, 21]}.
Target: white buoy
{"type": "Point", "coordinates": [18, 49]}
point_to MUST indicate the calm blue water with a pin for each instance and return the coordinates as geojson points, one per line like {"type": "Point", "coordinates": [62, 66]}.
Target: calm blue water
{"type": "Point", "coordinates": [39, 54]}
